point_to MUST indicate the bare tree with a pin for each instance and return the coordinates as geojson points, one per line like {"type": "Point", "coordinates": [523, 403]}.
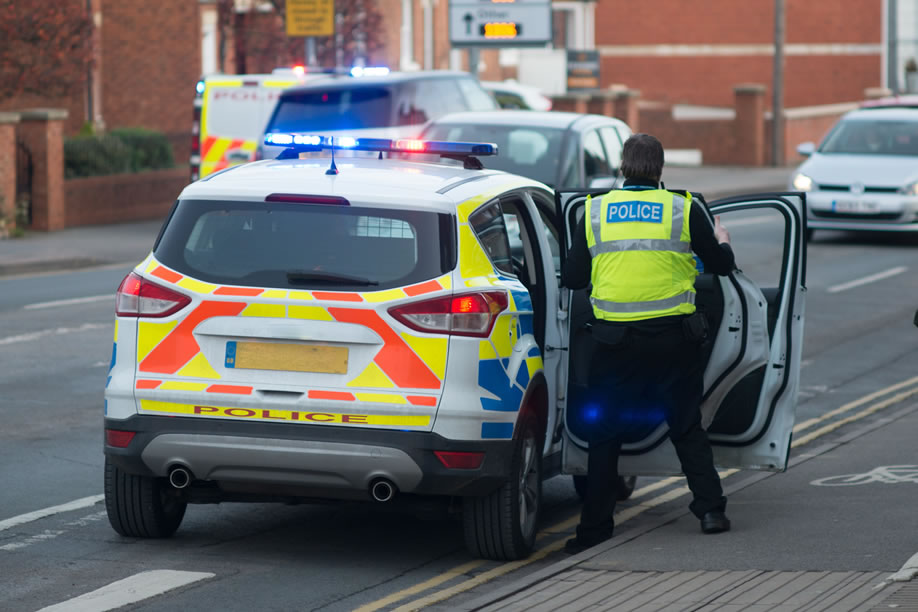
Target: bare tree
{"type": "Point", "coordinates": [46, 47]}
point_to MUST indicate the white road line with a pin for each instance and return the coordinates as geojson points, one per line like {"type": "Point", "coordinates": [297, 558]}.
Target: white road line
{"type": "Point", "coordinates": [57, 331]}
{"type": "Point", "coordinates": [82, 300]}
{"type": "Point", "coordinates": [44, 536]}
{"type": "Point", "coordinates": [76, 504]}
{"type": "Point", "coordinates": [867, 279]}
{"type": "Point", "coordinates": [129, 590]}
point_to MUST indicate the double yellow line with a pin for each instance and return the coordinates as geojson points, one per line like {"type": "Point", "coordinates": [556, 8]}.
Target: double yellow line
{"type": "Point", "coordinates": [906, 389]}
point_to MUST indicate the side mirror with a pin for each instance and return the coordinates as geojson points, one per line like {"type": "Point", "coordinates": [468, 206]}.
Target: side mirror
{"type": "Point", "coordinates": [806, 149]}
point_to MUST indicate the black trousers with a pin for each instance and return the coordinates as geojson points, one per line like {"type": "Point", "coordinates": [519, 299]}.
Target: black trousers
{"type": "Point", "coordinates": [637, 380]}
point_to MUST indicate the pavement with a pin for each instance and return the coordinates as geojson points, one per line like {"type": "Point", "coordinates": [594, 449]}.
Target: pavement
{"type": "Point", "coordinates": [98, 245]}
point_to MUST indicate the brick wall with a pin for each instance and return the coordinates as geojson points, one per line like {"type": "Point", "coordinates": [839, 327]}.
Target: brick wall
{"type": "Point", "coordinates": [122, 197]}
{"type": "Point", "coordinates": [152, 62]}
{"type": "Point", "coordinates": [705, 75]}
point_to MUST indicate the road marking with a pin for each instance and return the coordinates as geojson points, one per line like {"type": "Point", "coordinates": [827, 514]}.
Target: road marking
{"type": "Point", "coordinates": [885, 474]}
{"type": "Point", "coordinates": [633, 511]}
{"type": "Point", "coordinates": [44, 536]}
{"type": "Point", "coordinates": [82, 300]}
{"type": "Point", "coordinates": [76, 504]}
{"type": "Point", "coordinates": [852, 405]}
{"type": "Point", "coordinates": [867, 279]}
{"type": "Point", "coordinates": [854, 417]}
{"type": "Point", "coordinates": [129, 590]}
{"type": "Point", "coordinates": [57, 331]}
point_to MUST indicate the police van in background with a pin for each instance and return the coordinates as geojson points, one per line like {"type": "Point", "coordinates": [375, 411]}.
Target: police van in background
{"type": "Point", "coordinates": [230, 112]}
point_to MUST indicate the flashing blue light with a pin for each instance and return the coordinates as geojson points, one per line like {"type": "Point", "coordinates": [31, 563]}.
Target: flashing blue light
{"type": "Point", "coordinates": [591, 413]}
{"type": "Point", "coordinates": [199, 87]}
{"type": "Point", "coordinates": [359, 71]}
{"type": "Point", "coordinates": [312, 142]}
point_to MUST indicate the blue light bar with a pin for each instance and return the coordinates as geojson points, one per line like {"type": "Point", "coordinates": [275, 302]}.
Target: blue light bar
{"type": "Point", "coordinates": [315, 142]}
{"type": "Point", "coordinates": [359, 71]}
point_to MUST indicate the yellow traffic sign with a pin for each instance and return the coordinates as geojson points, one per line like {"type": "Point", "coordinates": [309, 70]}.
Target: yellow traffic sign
{"type": "Point", "coordinates": [310, 17]}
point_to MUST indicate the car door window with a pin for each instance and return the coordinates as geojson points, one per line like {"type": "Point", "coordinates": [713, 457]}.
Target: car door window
{"type": "Point", "coordinates": [488, 224]}
{"type": "Point", "coordinates": [613, 146]}
{"type": "Point", "coordinates": [595, 162]}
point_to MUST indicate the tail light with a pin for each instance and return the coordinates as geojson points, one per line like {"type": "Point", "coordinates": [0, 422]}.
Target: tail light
{"type": "Point", "coordinates": [138, 297]}
{"type": "Point", "coordinates": [466, 314]}
{"type": "Point", "coordinates": [119, 438]}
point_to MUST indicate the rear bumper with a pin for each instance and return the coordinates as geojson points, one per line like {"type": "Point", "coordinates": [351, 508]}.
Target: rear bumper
{"type": "Point", "coordinates": [304, 461]}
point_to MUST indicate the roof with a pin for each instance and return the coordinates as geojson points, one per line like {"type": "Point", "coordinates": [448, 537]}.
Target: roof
{"type": "Point", "coordinates": [548, 119]}
{"type": "Point", "coordinates": [326, 81]}
{"type": "Point", "coordinates": [884, 113]}
{"type": "Point", "coordinates": [364, 180]}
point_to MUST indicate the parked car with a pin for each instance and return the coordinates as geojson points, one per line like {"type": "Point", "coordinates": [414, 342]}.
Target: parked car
{"type": "Point", "coordinates": [560, 149]}
{"type": "Point", "coordinates": [515, 96]}
{"type": "Point", "coordinates": [375, 105]}
{"type": "Point", "coordinates": [864, 174]}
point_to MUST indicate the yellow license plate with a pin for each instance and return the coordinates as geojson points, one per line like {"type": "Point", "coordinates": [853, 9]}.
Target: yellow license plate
{"type": "Point", "coordinates": [287, 357]}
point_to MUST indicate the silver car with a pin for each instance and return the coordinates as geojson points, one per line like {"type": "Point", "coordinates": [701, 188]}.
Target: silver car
{"type": "Point", "coordinates": [864, 175]}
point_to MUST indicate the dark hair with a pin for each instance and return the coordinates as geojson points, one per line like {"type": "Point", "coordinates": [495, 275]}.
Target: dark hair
{"type": "Point", "coordinates": [642, 157]}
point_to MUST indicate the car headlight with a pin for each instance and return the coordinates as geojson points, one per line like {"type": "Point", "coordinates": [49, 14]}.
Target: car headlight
{"type": "Point", "coordinates": [802, 182]}
{"type": "Point", "coordinates": [910, 189]}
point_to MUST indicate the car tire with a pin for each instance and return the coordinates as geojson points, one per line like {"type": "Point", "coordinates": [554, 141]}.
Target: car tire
{"type": "Point", "coordinates": [502, 525]}
{"type": "Point", "coordinates": [141, 506]}
{"type": "Point", "coordinates": [625, 486]}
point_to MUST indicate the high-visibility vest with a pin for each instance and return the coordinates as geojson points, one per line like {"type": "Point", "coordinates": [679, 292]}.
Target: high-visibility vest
{"type": "Point", "coordinates": [641, 252]}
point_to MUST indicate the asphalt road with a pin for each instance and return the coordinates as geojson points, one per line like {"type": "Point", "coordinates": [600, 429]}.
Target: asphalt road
{"type": "Point", "coordinates": [859, 342]}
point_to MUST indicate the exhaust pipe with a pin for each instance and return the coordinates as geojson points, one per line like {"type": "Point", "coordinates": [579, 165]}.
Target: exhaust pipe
{"type": "Point", "coordinates": [382, 490]}
{"type": "Point", "coordinates": [179, 477]}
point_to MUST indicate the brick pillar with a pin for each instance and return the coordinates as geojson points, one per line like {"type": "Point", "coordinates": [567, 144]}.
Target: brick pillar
{"type": "Point", "coordinates": [602, 103]}
{"type": "Point", "coordinates": [42, 132]}
{"type": "Point", "coordinates": [572, 103]}
{"type": "Point", "coordinates": [8, 123]}
{"type": "Point", "coordinates": [749, 125]}
{"type": "Point", "coordinates": [625, 107]}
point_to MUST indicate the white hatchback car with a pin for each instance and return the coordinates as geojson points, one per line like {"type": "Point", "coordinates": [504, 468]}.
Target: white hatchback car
{"type": "Point", "coordinates": [368, 329]}
{"type": "Point", "coordinates": [864, 175]}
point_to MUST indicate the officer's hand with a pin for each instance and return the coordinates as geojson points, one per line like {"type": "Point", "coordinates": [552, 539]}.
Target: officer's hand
{"type": "Point", "coordinates": [720, 232]}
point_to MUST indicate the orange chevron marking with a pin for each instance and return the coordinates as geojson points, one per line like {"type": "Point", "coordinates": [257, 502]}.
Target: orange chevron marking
{"type": "Point", "coordinates": [401, 364]}
{"type": "Point", "coordinates": [179, 347]}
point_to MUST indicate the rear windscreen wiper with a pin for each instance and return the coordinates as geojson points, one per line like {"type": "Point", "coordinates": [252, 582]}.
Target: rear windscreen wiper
{"type": "Point", "coordinates": [305, 276]}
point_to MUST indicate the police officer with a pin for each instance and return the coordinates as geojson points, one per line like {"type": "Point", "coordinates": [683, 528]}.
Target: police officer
{"type": "Point", "coordinates": [635, 245]}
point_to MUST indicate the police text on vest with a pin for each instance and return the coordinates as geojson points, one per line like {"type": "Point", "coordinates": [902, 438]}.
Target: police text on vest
{"type": "Point", "coordinates": [643, 212]}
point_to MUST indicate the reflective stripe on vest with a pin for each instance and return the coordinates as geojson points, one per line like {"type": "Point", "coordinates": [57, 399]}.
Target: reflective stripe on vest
{"type": "Point", "coordinates": [641, 268]}
{"type": "Point", "coordinates": [665, 304]}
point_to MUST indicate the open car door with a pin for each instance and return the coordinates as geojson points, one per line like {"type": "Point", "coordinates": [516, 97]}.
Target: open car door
{"type": "Point", "coordinates": [753, 357]}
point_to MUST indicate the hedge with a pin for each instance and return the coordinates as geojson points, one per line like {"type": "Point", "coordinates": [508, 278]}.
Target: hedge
{"type": "Point", "coordinates": [119, 150]}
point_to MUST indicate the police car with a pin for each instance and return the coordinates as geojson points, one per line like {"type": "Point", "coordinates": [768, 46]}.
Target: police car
{"type": "Point", "coordinates": [368, 328]}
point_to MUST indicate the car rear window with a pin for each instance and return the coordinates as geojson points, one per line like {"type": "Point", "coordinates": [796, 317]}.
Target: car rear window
{"type": "Point", "coordinates": [530, 151]}
{"type": "Point", "coordinates": [306, 246]}
{"type": "Point", "coordinates": [333, 109]}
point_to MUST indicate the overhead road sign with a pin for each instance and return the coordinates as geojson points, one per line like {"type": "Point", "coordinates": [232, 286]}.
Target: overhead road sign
{"type": "Point", "coordinates": [310, 17]}
{"type": "Point", "coordinates": [499, 23]}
